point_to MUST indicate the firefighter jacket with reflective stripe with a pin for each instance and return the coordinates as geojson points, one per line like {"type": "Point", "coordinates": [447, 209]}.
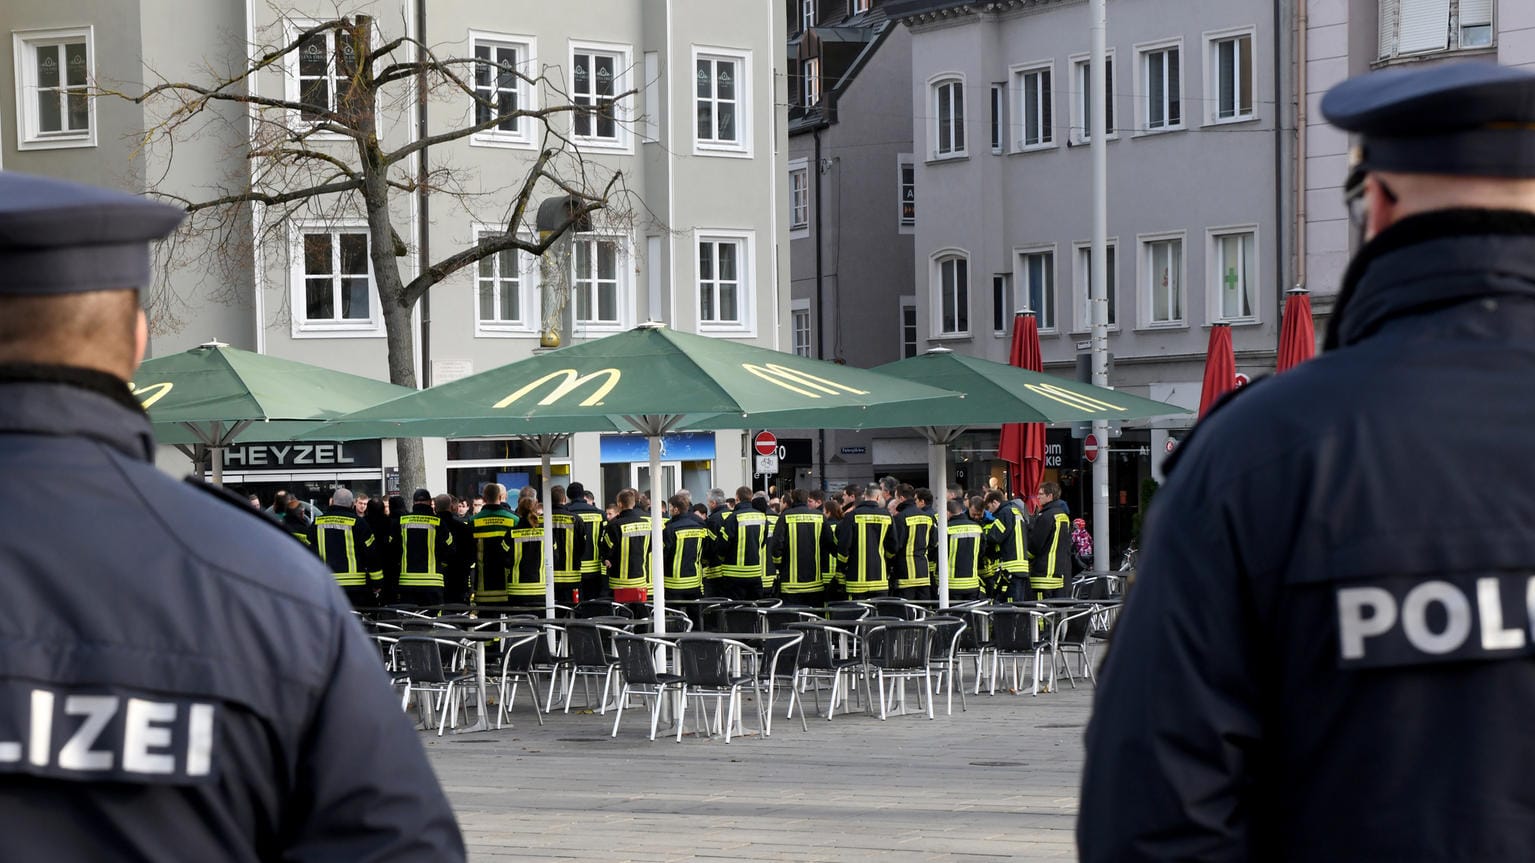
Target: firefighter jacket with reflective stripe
{"type": "Point", "coordinates": [861, 548]}
{"type": "Point", "coordinates": [345, 543]}
{"type": "Point", "coordinates": [571, 534]}
{"type": "Point", "coordinates": [426, 545]}
{"type": "Point", "coordinates": [527, 562]}
{"type": "Point", "coordinates": [1050, 547]}
{"type": "Point", "coordinates": [769, 568]}
{"type": "Point", "coordinates": [911, 544]}
{"type": "Point", "coordinates": [800, 548]}
{"type": "Point", "coordinates": [742, 540]}
{"type": "Point", "coordinates": [1008, 538]}
{"type": "Point", "coordinates": [964, 553]}
{"type": "Point", "coordinates": [686, 540]}
{"type": "Point", "coordinates": [491, 527]}
{"type": "Point", "coordinates": [716, 524]}
{"type": "Point", "coordinates": [593, 518]}
{"type": "Point", "coordinates": [626, 550]}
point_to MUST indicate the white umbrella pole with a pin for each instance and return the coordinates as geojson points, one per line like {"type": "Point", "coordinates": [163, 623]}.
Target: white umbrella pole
{"type": "Point", "coordinates": [216, 455]}
{"type": "Point", "coordinates": [938, 458]}
{"type": "Point", "coordinates": [657, 563]}
{"type": "Point", "coordinates": [548, 524]}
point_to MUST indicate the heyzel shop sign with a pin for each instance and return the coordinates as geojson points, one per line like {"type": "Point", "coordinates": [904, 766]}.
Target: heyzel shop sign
{"type": "Point", "coordinates": [289, 456]}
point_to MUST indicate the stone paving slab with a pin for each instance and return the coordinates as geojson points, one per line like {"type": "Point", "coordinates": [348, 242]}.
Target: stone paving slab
{"type": "Point", "coordinates": [995, 782]}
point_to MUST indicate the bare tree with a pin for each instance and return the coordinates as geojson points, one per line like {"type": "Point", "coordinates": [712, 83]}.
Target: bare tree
{"type": "Point", "coordinates": [321, 155]}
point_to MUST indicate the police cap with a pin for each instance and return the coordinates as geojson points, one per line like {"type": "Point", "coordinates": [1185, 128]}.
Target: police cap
{"type": "Point", "coordinates": [58, 237]}
{"type": "Point", "coordinates": [1470, 119]}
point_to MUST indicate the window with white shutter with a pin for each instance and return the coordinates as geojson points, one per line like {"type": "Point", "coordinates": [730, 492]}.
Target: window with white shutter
{"type": "Point", "coordinates": [1409, 27]}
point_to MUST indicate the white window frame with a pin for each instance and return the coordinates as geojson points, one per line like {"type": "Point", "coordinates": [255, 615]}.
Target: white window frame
{"type": "Point", "coordinates": [741, 147]}
{"type": "Point", "coordinates": [1245, 66]}
{"type": "Point", "coordinates": [623, 106]}
{"type": "Point", "coordinates": [528, 293]}
{"type": "Point", "coordinates": [903, 163]}
{"type": "Point", "coordinates": [936, 127]}
{"type": "Point", "coordinates": [799, 313]}
{"type": "Point", "coordinates": [860, 6]}
{"type": "Point", "coordinates": [527, 96]}
{"type": "Point", "coordinates": [1143, 88]}
{"type": "Point", "coordinates": [746, 290]}
{"type": "Point", "coordinates": [302, 327]}
{"type": "Point", "coordinates": [810, 82]}
{"type": "Point", "coordinates": [1002, 306]}
{"type": "Point", "coordinates": [807, 15]}
{"type": "Point", "coordinates": [292, 90]}
{"type": "Point", "coordinates": [1080, 253]}
{"type": "Point", "coordinates": [799, 199]}
{"type": "Point", "coordinates": [998, 118]}
{"type": "Point", "coordinates": [624, 292]}
{"type": "Point", "coordinates": [1081, 70]}
{"type": "Point", "coordinates": [1050, 296]}
{"type": "Point", "coordinates": [1424, 30]}
{"type": "Point", "coordinates": [936, 290]}
{"type": "Point", "coordinates": [25, 46]}
{"type": "Point", "coordinates": [909, 302]}
{"type": "Point", "coordinates": [1214, 286]}
{"type": "Point", "coordinates": [1144, 303]}
{"type": "Point", "coordinates": [1026, 78]}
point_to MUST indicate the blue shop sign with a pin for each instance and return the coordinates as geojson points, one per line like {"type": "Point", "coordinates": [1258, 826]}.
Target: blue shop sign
{"type": "Point", "coordinates": [683, 446]}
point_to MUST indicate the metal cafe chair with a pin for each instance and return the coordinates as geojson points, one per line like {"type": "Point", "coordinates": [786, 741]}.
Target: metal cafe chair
{"type": "Point", "coordinates": [519, 655]}
{"type": "Point", "coordinates": [1015, 635]}
{"type": "Point", "coordinates": [777, 661]}
{"type": "Point", "coordinates": [975, 640]}
{"type": "Point", "coordinates": [848, 610]}
{"type": "Point", "coordinates": [1073, 636]}
{"type": "Point", "coordinates": [601, 608]}
{"type": "Point", "coordinates": [421, 665]}
{"type": "Point", "coordinates": [891, 606]}
{"type": "Point", "coordinates": [587, 656]}
{"type": "Point", "coordinates": [896, 653]}
{"type": "Point", "coordinates": [711, 668]}
{"type": "Point", "coordinates": [947, 632]}
{"type": "Point", "coordinates": [741, 618]}
{"type": "Point", "coordinates": [637, 664]}
{"type": "Point", "coordinates": [818, 659]}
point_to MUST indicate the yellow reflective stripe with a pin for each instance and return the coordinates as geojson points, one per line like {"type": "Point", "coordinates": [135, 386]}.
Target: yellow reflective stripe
{"type": "Point", "coordinates": [1050, 579]}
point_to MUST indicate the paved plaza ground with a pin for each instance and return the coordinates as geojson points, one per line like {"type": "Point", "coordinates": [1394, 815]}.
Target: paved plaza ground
{"type": "Point", "coordinates": [997, 782]}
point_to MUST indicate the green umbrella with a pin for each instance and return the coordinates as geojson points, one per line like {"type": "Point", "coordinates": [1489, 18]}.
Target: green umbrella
{"type": "Point", "coordinates": [213, 395]}
{"type": "Point", "coordinates": [649, 379]}
{"type": "Point", "coordinates": [998, 393]}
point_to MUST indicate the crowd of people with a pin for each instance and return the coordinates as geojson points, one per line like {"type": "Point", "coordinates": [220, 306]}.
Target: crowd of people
{"type": "Point", "coordinates": [861, 542]}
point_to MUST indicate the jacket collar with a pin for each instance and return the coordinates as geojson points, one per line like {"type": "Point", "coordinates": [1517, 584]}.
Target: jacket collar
{"type": "Point", "coordinates": [65, 401]}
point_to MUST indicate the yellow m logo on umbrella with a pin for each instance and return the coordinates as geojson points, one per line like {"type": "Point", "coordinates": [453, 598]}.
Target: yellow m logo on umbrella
{"type": "Point", "coordinates": [152, 393]}
{"type": "Point", "coordinates": [572, 381]}
{"type": "Point", "coordinates": [797, 381]}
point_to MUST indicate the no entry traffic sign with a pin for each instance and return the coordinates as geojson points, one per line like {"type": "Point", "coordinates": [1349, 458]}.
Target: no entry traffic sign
{"type": "Point", "coordinates": [1090, 447]}
{"type": "Point", "coordinates": [766, 443]}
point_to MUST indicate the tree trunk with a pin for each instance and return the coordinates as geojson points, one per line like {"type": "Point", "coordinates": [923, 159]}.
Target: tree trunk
{"type": "Point", "coordinates": [398, 328]}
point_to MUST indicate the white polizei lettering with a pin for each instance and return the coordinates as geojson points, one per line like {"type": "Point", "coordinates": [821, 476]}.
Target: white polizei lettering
{"type": "Point", "coordinates": [1489, 608]}
{"type": "Point", "coordinates": [98, 710]}
{"type": "Point", "coordinates": [1457, 625]}
{"type": "Point", "coordinates": [1354, 626]}
{"type": "Point", "coordinates": [40, 732]}
{"type": "Point", "coordinates": [141, 733]}
{"type": "Point", "coordinates": [199, 739]}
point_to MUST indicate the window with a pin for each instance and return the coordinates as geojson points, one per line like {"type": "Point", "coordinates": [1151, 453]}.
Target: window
{"type": "Point", "coordinates": [1036, 105]}
{"type": "Point", "coordinates": [949, 116]}
{"type": "Point", "coordinates": [810, 70]}
{"type": "Point", "coordinates": [1162, 82]}
{"type": "Point", "coordinates": [1163, 267]}
{"type": "Point", "coordinates": [997, 97]}
{"type": "Point", "coordinates": [952, 280]}
{"type": "Point", "coordinates": [498, 90]}
{"type": "Point", "coordinates": [335, 281]}
{"type": "Point", "coordinates": [54, 70]}
{"type": "Point", "coordinates": [908, 193]}
{"type": "Point", "coordinates": [1420, 26]}
{"type": "Point", "coordinates": [505, 297]}
{"type": "Point", "coordinates": [1231, 77]}
{"type": "Point", "coordinates": [799, 326]}
{"type": "Point", "coordinates": [908, 327]}
{"type": "Point", "coordinates": [1084, 271]}
{"type": "Point", "coordinates": [1083, 73]}
{"type": "Point", "coordinates": [860, 6]}
{"type": "Point", "coordinates": [1234, 274]}
{"type": "Point", "coordinates": [807, 15]}
{"type": "Point", "coordinates": [595, 282]}
{"type": "Point", "coordinates": [721, 291]}
{"type": "Point", "coordinates": [1001, 302]}
{"type": "Point", "coordinates": [799, 197]}
{"type": "Point", "coordinates": [598, 76]}
{"type": "Point", "coordinates": [1036, 286]}
{"type": "Point", "coordinates": [325, 69]}
{"type": "Point", "coordinates": [720, 100]}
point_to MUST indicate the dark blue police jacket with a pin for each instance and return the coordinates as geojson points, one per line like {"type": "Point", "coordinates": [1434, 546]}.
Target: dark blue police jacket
{"type": "Point", "coordinates": [1326, 654]}
{"type": "Point", "coordinates": [178, 679]}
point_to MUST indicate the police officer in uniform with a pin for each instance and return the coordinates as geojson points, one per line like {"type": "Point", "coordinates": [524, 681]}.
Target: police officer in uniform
{"type": "Point", "coordinates": [1327, 651]}
{"type": "Point", "coordinates": [346, 544]}
{"type": "Point", "coordinates": [206, 696]}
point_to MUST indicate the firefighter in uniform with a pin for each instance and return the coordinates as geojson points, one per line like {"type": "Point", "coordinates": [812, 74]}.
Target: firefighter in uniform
{"type": "Point", "coordinates": [770, 525]}
{"type": "Point", "coordinates": [528, 584]}
{"type": "Point", "coordinates": [861, 547]}
{"type": "Point", "coordinates": [965, 544]}
{"type": "Point", "coordinates": [140, 685]}
{"type": "Point", "coordinates": [426, 549]}
{"type": "Point", "coordinates": [1326, 652]}
{"type": "Point", "coordinates": [1007, 534]}
{"type": "Point", "coordinates": [491, 530]}
{"type": "Point", "coordinates": [594, 583]}
{"type": "Point", "coordinates": [571, 536]}
{"type": "Point", "coordinates": [686, 541]}
{"type": "Point", "coordinates": [911, 545]}
{"type": "Point", "coordinates": [716, 524]}
{"type": "Point", "coordinates": [346, 544]}
{"type": "Point", "coordinates": [740, 545]}
{"type": "Point", "coordinates": [800, 549]}
{"type": "Point", "coordinates": [1050, 544]}
{"type": "Point", "coordinates": [626, 547]}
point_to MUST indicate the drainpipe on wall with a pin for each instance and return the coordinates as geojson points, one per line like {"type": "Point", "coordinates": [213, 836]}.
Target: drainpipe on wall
{"type": "Point", "coordinates": [820, 300]}
{"type": "Point", "coordinates": [1300, 144]}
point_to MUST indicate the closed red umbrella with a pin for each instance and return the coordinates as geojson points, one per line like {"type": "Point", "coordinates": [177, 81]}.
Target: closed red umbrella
{"type": "Point", "coordinates": [1023, 444]}
{"type": "Point", "coordinates": [1297, 335]}
{"type": "Point", "coordinates": [1220, 368]}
